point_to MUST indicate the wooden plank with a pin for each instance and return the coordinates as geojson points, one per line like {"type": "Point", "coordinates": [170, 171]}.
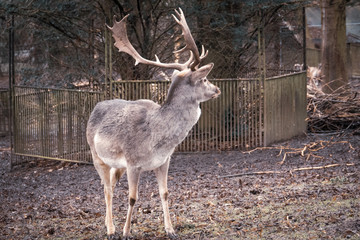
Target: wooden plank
{"type": "Point", "coordinates": [285, 107]}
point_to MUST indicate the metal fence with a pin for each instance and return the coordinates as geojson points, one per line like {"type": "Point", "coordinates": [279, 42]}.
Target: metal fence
{"type": "Point", "coordinates": [4, 112]}
{"type": "Point", "coordinates": [231, 121]}
{"type": "Point", "coordinates": [51, 123]}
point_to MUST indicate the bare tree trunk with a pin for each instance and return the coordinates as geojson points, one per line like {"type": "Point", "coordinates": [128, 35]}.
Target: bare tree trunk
{"type": "Point", "coordinates": [333, 45]}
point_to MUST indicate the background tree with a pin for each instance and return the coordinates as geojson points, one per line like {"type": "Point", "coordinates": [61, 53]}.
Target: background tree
{"type": "Point", "coordinates": [64, 41]}
{"type": "Point", "coordinates": [334, 45]}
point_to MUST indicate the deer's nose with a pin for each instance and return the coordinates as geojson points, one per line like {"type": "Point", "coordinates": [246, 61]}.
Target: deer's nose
{"type": "Point", "coordinates": [217, 92]}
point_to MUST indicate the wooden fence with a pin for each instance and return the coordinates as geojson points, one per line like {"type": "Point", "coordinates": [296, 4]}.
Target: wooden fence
{"type": "Point", "coordinates": [284, 107]}
{"type": "Point", "coordinates": [51, 123]}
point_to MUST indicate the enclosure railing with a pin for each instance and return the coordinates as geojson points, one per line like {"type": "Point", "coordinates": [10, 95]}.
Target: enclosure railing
{"type": "Point", "coordinates": [4, 112]}
{"type": "Point", "coordinates": [231, 121]}
{"type": "Point", "coordinates": [51, 123]}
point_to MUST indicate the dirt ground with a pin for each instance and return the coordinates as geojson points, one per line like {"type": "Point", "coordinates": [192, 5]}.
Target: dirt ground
{"type": "Point", "coordinates": [305, 188]}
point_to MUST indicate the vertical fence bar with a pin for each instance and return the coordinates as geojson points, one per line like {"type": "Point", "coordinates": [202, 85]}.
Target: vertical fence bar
{"type": "Point", "coordinates": [254, 112]}
{"type": "Point", "coordinates": [106, 61]}
{"type": "Point", "coordinates": [233, 135]}
{"type": "Point", "coordinates": [251, 102]}
{"type": "Point", "coordinates": [227, 115]}
{"type": "Point", "coordinates": [261, 112]}
{"type": "Point", "coordinates": [4, 108]}
{"type": "Point", "coordinates": [210, 138]}
{"type": "Point", "coordinates": [253, 119]}
{"type": "Point", "coordinates": [215, 122]}
{"type": "Point", "coordinates": [262, 62]}
{"type": "Point", "coordinates": [11, 85]}
{"type": "Point", "coordinates": [60, 124]}
{"type": "Point", "coordinates": [241, 109]}
{"type": "Point", "coordinates": [237, 107]}
{"type": "Point", "coordinates": [239, 113]}
{"type": "Point", "coordinates": [246, 115]}
{"type": "Point", "coordinates": [251, 114]}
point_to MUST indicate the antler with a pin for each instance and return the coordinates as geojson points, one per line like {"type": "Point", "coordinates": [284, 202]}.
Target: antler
{"type": "Point", "coordinates": [190, 43]}
{"type": "Point", "coordinates": [123, 44]}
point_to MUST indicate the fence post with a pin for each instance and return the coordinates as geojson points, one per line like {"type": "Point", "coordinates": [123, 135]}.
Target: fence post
{"type": "Point", "coordinates": [304, 38]}
{"type": "Point", "coordinates": [262, 75]}
{"type": "Point", "coordinates": [106, 63]}
{"type": "Point", "coordinates": [108, 58]}
{"type": "Point", "coordinates": [261, 47]}
{"type": "Point", "coordinates": [11, 86]}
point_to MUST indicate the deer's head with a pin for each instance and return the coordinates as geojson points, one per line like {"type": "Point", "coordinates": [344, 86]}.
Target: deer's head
{"type": "Point", "coordinates": [188, 78]}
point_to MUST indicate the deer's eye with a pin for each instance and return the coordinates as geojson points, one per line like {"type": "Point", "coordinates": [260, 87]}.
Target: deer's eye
{"type": "Point", "coordinates": [204, 80]}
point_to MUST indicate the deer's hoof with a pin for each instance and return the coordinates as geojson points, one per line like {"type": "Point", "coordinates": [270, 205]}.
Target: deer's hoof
{"type": "Point", "coordinates": [172, 235]}
{"type": "Point", "coordinates": [126, 238]}
{"type": "Point", "coordinates": [113, 237]}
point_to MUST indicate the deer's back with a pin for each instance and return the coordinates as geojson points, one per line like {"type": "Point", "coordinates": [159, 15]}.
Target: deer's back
{"type": "Point", "coordinates": [117, 127]}
{"type": "Point", "coordinates": [116, 118]}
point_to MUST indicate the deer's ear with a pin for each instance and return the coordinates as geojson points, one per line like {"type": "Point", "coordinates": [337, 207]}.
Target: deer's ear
{"type": "Point", "coordinates": [175, 72]}
{"type": "Point", "coordinates": [202, 72]}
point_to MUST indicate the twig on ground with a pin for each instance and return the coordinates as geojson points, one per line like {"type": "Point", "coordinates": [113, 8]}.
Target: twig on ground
{"type": "Point", "coordinates": [308, 150]}
{"type": "Point", "coordinates": [288, 171]}
{"type": "Point", "coordinates": [321, 167]}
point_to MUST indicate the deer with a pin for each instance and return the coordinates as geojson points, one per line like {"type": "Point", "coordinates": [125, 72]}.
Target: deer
{"type": "Point", "coordinates": [140, 136]}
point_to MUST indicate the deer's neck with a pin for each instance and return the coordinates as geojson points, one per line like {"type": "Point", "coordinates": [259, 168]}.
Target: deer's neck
{"type": "Point", "coordinates": [183, 110]}
{"type": "Point", "coordinates": [177, 119]}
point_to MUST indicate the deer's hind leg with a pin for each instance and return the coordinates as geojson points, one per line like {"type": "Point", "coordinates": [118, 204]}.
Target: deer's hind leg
{"type": "Point", "coordinates": [109, 177]}
{"type": "Point", "coordinates": [133, 176]}
{"type": "Point", "coordinates": [115, 175]}
{"type": "Point", "coordinates": [162, 176]}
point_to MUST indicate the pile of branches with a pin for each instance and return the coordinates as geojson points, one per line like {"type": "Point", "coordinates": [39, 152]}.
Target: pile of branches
{"type": "Point", "coordinates": [333, 112]}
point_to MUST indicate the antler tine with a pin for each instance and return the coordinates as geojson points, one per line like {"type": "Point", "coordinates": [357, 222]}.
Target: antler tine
{"type": "Point", "coordinates": [123, 44]}
{"type": "Point", "coordinates": [189, 40]}
{"type": "Point", "coordinates": [203, 53]}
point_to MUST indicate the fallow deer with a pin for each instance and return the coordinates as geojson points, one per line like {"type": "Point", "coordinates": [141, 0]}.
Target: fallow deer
{"type": "Point", "coordinates": [137, 136]}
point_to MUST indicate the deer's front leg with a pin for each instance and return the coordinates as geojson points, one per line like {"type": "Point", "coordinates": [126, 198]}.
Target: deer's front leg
{"type": "Point", "coordinates": [133, 176]}
{"type": "Point", "coordinates": [162, 176]}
